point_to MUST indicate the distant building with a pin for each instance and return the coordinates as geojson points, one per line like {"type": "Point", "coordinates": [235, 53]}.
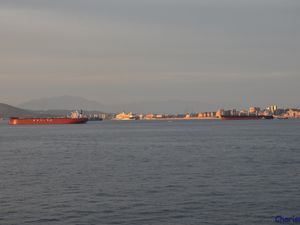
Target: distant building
{"type": "Point", "coordinates": [224, 112]}
{"type": "Point", "coordinates": [234, 112]}
{"type": "Point", "coordinates": [149, 116]}
{"type": "Point", "coordinates": [219, 113]}
{"type": "Point", "coordinates": [272, 109]}
{"type": "Point", "coordinates": [293, 113]}
{"type": "Point", "coordinates": [280, 111]}
{"type": "Point", "coordinates": [254, 110]}
{"type": "Point", "coordinates": [205, 115]}
{"type": "Point", "coordinates": [243, 113]}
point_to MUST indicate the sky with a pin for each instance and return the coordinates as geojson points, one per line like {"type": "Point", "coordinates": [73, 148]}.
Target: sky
{"type": "Point", "coordinates": [221, 52]}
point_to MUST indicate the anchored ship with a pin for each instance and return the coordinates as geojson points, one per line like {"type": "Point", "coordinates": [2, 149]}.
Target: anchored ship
{"type": "Point", "coordinates": [76, 118]}
{"type": "Point", "coordinates": [126, 116]}
{"type": "Point", "coordinates": [247, 117]}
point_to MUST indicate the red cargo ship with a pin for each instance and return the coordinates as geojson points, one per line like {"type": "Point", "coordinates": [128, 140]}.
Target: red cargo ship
{"type": "Point", "coordinates": [250, 117]}
{"type": "Point", "coordinates": [46, 121]}
{"type": "Point", "coordinates": [76, 118]}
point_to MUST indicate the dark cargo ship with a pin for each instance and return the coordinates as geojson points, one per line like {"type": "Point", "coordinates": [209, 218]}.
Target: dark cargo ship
{"type": "Point", "coordinates": [247, 117]}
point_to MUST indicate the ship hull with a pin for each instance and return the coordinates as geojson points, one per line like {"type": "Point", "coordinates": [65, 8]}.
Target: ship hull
{"type": "Point", "coordinates": [246, 117]}
{"type": "Point", "coordinates": [46, 121]}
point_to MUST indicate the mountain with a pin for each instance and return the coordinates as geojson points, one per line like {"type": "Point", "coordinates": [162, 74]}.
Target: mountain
{"type": "Point", "coordinates": [63, 103]}
{"type": "Point", "coordinates": [76, 103]}
{"type": "Point", "coordinates": [167, 106]}
{"type": "Point", "coordinates": [7, 111]}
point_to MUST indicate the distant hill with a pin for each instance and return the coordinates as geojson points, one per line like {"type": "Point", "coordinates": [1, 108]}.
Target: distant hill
{"type": "Point", "coordinates": [167, 106]}
{"type": "Point", "coordinates": [7, 111]}
{"type": "Point", "coordinates": [71, 103]}
{"type": "Point", "coordinates": [64, 103]}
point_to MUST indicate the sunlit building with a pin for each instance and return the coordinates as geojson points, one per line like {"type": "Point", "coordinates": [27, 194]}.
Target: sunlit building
{"type": "Point", "coordinates": [254, 110]}
{"type": "Point", "coordinates": [293, 113]}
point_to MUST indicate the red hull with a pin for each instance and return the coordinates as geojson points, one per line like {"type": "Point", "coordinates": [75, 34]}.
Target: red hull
{"type": "Point", "coordinates": [46, 121]}
{"type": "Point", "coordinates": [246, 117]}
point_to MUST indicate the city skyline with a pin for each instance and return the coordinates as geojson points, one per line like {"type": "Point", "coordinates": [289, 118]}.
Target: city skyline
{"type": "Point", "coordinates": [71, 103]}
{"type": "Point", "coordinates": [212, 52]}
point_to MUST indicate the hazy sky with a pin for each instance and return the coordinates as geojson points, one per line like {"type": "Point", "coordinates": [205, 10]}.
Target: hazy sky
{"type": "Point", "coordinates": [239, 52]}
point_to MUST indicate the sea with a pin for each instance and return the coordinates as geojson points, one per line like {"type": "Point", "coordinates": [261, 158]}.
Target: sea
{"type": "Point", "coordinates": [151, 173]}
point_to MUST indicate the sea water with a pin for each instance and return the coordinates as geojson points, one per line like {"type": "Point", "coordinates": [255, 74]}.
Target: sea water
{"type": "Point", "coordinates": [150, 172]}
